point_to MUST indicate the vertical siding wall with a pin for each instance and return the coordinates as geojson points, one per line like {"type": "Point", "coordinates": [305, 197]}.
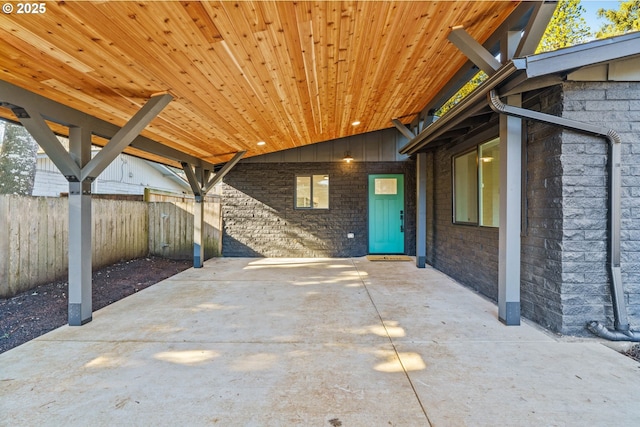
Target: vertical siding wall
{"type": "Point", "coordinates": [34, 230]}
{"type": "Point", "coordinates": [260, 220]}
{"type": "Point", "coordinates": [125, 175]}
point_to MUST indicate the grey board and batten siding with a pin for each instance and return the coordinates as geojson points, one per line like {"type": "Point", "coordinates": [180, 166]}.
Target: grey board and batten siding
{"type": "Point", "coordinates": [379, 146]}
{"type": "Point", "coordinates": [259, 218]}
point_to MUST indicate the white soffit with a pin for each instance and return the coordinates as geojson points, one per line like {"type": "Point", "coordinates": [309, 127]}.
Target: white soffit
{"type": "Point", "coordinates": [624, 70]}
{"type": "Point", "coordinates": [595, 73]}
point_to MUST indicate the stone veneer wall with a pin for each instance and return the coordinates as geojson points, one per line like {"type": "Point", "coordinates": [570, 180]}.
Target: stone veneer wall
{"type": "Point", "coordinates": [260, 220]}
{"type": "Point", "coordinates": [542, 229]}
{"type": "Point", "coordinates": [585, 290]}
{"type": "Point", "coordinates": [564, 272]}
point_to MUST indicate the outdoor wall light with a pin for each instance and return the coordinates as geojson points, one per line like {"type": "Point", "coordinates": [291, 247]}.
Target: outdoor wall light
{"type": "Point", "coordinates": [347, 157]}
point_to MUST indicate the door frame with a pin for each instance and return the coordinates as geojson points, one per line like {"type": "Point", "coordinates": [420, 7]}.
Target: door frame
{"type": "Point", "coordinates": [401, 189]}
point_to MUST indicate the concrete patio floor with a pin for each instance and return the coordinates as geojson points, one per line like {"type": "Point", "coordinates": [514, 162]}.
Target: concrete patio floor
{"type": "Point", "coordinates": [312, 342]}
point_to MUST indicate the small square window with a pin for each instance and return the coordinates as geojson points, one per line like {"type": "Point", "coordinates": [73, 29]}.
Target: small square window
{"type": "Point", "coordinates": [312, 192]}
{"type": "Point", "coordinates": [386, 186]}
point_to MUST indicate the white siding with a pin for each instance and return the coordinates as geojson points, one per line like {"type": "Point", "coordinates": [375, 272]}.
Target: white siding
{"type": "Point", "coordinates": [125, 175]}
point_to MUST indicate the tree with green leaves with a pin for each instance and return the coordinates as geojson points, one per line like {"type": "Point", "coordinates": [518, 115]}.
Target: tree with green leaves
{"type": "Point", "coordinates": [566, 28]}
{"type": "Point", "coordinates": [462, 93]}
{"type": "Point", "coordinates": [18, 156]}
{"type": "Point", "coordinates": [621, 21]}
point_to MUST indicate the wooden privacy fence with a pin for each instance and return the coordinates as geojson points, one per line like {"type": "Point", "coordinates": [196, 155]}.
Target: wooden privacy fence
{"type": "Point", "coordinates": [171, 227]}
{"type": "Point", "coordinates": [34, 235]}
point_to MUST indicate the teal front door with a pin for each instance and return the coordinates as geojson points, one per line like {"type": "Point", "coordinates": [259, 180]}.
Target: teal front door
{"type": "Point", "coordinates": [386, 214]}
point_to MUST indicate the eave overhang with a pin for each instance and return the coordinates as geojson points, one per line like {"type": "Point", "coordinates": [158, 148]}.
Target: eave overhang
{"type": "Point", "coordinates": [469, 105]}
{"type": "Point", "coordinates": [523, 74]}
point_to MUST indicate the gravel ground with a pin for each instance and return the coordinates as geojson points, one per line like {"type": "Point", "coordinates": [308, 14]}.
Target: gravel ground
{"type": "Point", "coordinates": [33, 313]}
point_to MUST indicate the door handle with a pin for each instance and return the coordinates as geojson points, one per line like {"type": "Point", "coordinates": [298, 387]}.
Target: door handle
{"type": "Point", "coordinates": [402, 221]}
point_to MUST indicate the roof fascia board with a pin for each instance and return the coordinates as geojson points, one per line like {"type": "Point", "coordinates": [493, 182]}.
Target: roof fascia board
{"type": "Point", "coordinates": [66, 116]}
{"type": "Point", "coordinates": [522, 84]}
{"type": "Point", "coordinates": [539, 70]}
{"type": "Point", "coordinates": [473, 102]}
{"type": "Point", "coordinates": [583, 55]}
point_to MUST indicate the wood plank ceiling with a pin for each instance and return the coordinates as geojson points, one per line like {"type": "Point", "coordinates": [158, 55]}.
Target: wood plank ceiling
{"type": "Point", "coordinates": [287, 73]}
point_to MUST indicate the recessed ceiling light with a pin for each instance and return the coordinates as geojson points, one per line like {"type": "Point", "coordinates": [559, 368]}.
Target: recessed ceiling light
{"type": "Point", "coordinates": [262, 143]}
{"type": "Point", "coordinates": [356, 123]}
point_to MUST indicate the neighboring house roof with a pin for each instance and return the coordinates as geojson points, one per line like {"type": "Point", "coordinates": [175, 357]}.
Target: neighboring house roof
{"type": "Point", "coordinates": [616, 58]}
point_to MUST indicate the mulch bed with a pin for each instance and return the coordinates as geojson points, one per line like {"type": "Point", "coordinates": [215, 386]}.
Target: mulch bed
{"type": "Point", "coordinates": [633, 352]}
{"type": "Point", "coordinates": [33, 313]}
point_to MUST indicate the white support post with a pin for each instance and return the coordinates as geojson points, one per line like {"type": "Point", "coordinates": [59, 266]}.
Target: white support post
{"type": "Point", "coordinates": [510, 216]}
{"type": "Point", "coordinates": [80, 228]}
{"type": "Point", "coordinates": [421, 210]}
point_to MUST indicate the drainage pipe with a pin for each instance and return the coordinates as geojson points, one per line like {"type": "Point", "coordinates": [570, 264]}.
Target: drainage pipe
{"type": "Point", "coordinates": [622, 330]}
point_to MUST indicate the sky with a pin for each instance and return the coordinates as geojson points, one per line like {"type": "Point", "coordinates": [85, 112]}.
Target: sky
{"type": "Point", "coordinates": [591, 8]}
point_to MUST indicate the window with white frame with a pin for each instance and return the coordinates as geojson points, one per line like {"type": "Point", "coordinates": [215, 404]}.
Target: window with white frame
{"type": "Point", "coordinates": [312, 192]}
{"type": "Point", "coordinates": [476, 186]}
